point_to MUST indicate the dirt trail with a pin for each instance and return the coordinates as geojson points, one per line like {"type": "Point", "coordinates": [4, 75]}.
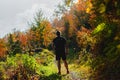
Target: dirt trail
{"type": "Point", "coordinates": [73, 75]}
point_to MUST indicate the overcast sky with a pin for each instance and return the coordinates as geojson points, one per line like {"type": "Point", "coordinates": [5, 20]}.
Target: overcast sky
{"type": "Point", "coordinates": [16, 13]}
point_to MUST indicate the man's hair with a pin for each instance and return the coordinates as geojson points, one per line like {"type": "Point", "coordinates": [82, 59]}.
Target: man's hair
{"type": "Point", "coordinates": [58, 33]}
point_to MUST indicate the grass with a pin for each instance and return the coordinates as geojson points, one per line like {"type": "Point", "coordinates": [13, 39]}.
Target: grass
{"type": "Point", "coordinates": [41, 66]}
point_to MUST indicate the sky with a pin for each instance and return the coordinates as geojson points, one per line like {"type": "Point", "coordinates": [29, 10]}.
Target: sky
{"type": "Point", "coordinates": [15, 14]}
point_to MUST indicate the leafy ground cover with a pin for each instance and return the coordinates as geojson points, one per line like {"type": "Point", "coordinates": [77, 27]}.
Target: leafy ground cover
{"type": "Point", "coordinates": [42, 66]}
{"type": "Point", "coordinates": [39, 66]}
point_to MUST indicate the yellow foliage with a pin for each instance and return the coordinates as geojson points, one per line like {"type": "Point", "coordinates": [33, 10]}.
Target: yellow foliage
{"type": "Point", "coordinates": [3, 48]}
{"type": "Point", "coordinates": [89, 7]}
{"type": "Point", "coordinates": [88, 10]}
{"type": "Point", "coordinates": [118, 46]}
{"type": "Point", "coordinates": [85, 69]}
{"type": "Point", "coordinates": [102, 8]}
{"type": "Point", "coordinates": [99, 28]}
{"type": "Point", "coordinates": [67, 2]}
{"type": "Point", "coordinates": [116, 38]}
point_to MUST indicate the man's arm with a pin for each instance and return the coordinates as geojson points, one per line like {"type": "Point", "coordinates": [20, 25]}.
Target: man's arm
{"type": "Point", "coordinates": [53, 46]}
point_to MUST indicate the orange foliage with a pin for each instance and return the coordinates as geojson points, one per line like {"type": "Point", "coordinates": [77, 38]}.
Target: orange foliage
{"type": "Point", "coordinates": [72, 26]}
{"type": "Point", "coordinates": [58, 24]}
{"type": "Point", "coordinates": [3, 48]}
{"type": "Point", "coordinates": [23, 40]}
{"type": "Point", "coordinates": [83, 37]}
{"type": "Point", "coordinates": [81, 5]}
{"type": "Point", "coordinates": [47, 33]}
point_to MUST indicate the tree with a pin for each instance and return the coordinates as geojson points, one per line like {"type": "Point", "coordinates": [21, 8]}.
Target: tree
{"type": "Point", "coordinates": [106, 20]}
{"type": "Point", "coordinates": [47, 33]}
{"type": "Point", "coordinates": [39, 35]}
{"type": "Point", "coordinates": [107, 14]}
{"type": "Point", "coordinates": [3, 48]}
{"type": "Point", "coordinates": [62, 8]}
{"type": "Point", "coordinates": [14, 45]}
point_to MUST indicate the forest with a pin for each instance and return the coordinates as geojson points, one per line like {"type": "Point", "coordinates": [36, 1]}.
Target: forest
{"type": "Point", "coordinates": [92, 31]}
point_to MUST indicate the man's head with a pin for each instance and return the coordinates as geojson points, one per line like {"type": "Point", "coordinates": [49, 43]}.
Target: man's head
{"type": "Point", "coordinates": [58, 33]}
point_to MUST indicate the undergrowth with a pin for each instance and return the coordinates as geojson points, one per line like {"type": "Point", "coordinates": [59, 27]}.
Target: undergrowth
{"type": "Point", "coordinates": [26, 67]}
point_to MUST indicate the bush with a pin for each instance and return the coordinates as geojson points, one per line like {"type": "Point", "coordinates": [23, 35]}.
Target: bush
{"type": "Point", "coordinates": [24, 66]}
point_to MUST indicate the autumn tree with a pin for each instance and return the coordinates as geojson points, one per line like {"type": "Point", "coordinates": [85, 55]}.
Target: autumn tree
{"type": "Point", "coordinates": [72, 20]}
{"type": "Point", "coordinates": [105, 16]}
{"type": "Point", "coordinates": [47, 33]}
{"type": "Point", "coordinates": [3, 48]}
{"type": "Point", "coordinates": [40, 33]}
{"type": "Point", "coordinates": [13, 43]}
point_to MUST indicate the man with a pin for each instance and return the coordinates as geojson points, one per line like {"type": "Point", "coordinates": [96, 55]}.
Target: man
{"type": "Point", "coordinates": [59, 45]}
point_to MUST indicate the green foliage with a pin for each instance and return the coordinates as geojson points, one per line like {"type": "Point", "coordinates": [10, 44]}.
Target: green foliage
{"type": "Point", "coordinates": [102, 8]}
{"type": "Point", "coordinates": [29, 62]}
{"type": "Point", "coordinates": [47, 57]}
{"type": "Point", "coordinates": [13, 45]}
{"type": "Point", "coordinates": [40, 32]}
{"type": "Point", "coordinates": [51, 77]}
{"type": "Point", "coordinates": [107, 28]}
{"type": "Point", "coordinates": [101, 63]}
{"type": "Point", "coordinates": [11, 62]}
{"type": "Point", "coordinates": [99, 28]}
{"type": "Point", "coordinates": [105, 67]}
{"type": "Point", "coordinates": [26, 66]}
{"type": "Point", "coordinates": [2, 69]}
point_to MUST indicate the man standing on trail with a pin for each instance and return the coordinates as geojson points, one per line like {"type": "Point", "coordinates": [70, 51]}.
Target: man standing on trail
{"type": "Point", "coordinates": [59, 45]}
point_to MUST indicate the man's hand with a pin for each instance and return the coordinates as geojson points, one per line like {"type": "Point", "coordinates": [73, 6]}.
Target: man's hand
{"type": "Point", "coordinates": [53, 47]}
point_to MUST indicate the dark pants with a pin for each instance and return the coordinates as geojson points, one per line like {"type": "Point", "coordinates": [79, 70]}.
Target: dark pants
{"type": "Point", "coordinates": [60, 54]}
